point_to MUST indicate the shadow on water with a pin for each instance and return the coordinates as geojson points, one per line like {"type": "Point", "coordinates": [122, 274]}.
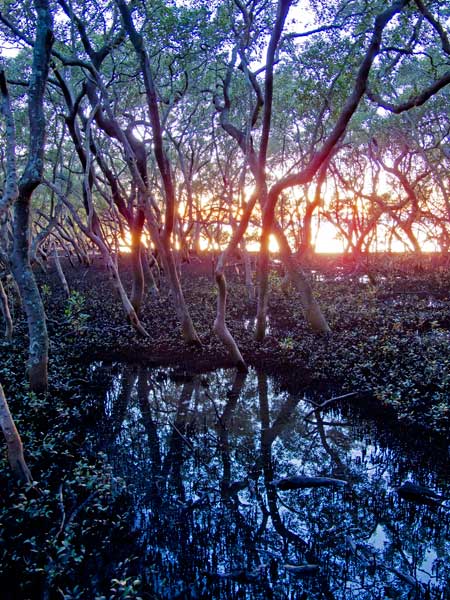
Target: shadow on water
{"type": "Point", "coordinates": [219, 467]}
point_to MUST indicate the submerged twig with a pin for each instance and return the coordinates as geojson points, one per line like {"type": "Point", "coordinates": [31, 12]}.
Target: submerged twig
{"type": "Point", "coordinates": [63, 512]}
{"type": "Point", "coordinates": [330, 401]}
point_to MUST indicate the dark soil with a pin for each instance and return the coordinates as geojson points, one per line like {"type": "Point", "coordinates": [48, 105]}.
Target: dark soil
{"type": "Point", "coordinates": [389, 341]}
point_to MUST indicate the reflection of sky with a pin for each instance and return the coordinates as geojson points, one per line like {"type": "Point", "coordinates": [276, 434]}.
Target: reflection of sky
{"type": "Point", "coordinates": [188, 484]}
{"type": "Point", "coordinates": [424, 572]}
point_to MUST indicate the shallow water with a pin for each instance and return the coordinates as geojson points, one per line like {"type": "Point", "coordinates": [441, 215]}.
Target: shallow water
{"type": "Point", "coordinates": [199, 454]}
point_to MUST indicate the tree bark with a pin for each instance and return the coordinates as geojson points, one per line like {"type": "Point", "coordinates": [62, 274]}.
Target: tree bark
{"type": "Point", "coordinates": [248, 274]}
{"type": "Point", "coordinates": [317, 160]}
{"type": "Point", "coordinates": [13, 442]}
{"type": "Point", "coordinates": [311, 308]}
{"type": "Point", "coordinates": [187, 326]}
{"type": "Point", "coordinates": [31, 178]}
{"type": "Point", "coordinates": [31, 299]}
{"type": "Point", "coordinates": [137, 291]}
{"type": "Point", "coordinates": [163, 240]}
{"type": "Point", "coordinates": [4, 305]}
{"type": "Point", "coordinates": [147, 266]}
{"type": "Point", "coordinates": [221, 328]}
{"type": "Point", "coordinates": [60, 271]}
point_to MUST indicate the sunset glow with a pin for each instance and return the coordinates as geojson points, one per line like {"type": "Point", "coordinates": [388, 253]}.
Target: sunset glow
{"type": "Point", "coordinates": [326, 240]}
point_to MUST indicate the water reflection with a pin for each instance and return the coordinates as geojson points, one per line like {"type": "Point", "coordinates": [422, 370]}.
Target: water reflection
{"type": "Point", "coordinates": [202, 455]}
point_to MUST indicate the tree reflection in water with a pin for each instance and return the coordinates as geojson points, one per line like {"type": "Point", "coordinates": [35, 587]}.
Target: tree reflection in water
{"type": "Point", "coordinates": [200, 454]}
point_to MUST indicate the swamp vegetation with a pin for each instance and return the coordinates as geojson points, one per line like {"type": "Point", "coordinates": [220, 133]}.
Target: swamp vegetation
{"type": "Point", "coordinates": [224, 285]}
{"type": "Point", "coordinates": [182, 481]}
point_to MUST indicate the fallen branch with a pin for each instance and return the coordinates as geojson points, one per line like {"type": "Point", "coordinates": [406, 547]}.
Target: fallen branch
{"type": "Point", "coordinates": [330, 401]}
{"type": "Point", "coordinates": [63, 512]}
{"type": "Point", "coordinates": [302, 569]}
{"type": "Point", "coordinates": [368, 557]}
{"type": "Point", "coordinates": [302, 482]}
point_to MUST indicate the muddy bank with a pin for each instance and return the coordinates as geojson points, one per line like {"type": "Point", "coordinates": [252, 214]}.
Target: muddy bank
{"type": "Point", "coordinates": [389, 340]}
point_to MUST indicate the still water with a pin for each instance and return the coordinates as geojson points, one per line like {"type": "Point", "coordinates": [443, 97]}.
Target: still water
{"type": "Point", "coordinates": [203, 456]}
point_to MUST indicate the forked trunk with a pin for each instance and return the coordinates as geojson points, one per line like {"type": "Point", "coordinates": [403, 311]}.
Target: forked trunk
{"type": "Point", "coordinates": [220, 327]}
{"type": "Point", "coordinates": [311, 308]}
{"type": "Point", "coordinates": [31, 178]}
{"type": "Point", "coordinates": [13, 442]}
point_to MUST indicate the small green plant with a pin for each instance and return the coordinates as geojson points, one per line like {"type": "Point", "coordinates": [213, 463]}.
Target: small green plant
{"type": "Point", "coordinates": [274, 280]}
{"type": "Point", "coordinates": [287, 343]}
{"type": "Point", "coordinates": [74, 311]}
{"type": "Point", "coordinates": [45, 291]}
